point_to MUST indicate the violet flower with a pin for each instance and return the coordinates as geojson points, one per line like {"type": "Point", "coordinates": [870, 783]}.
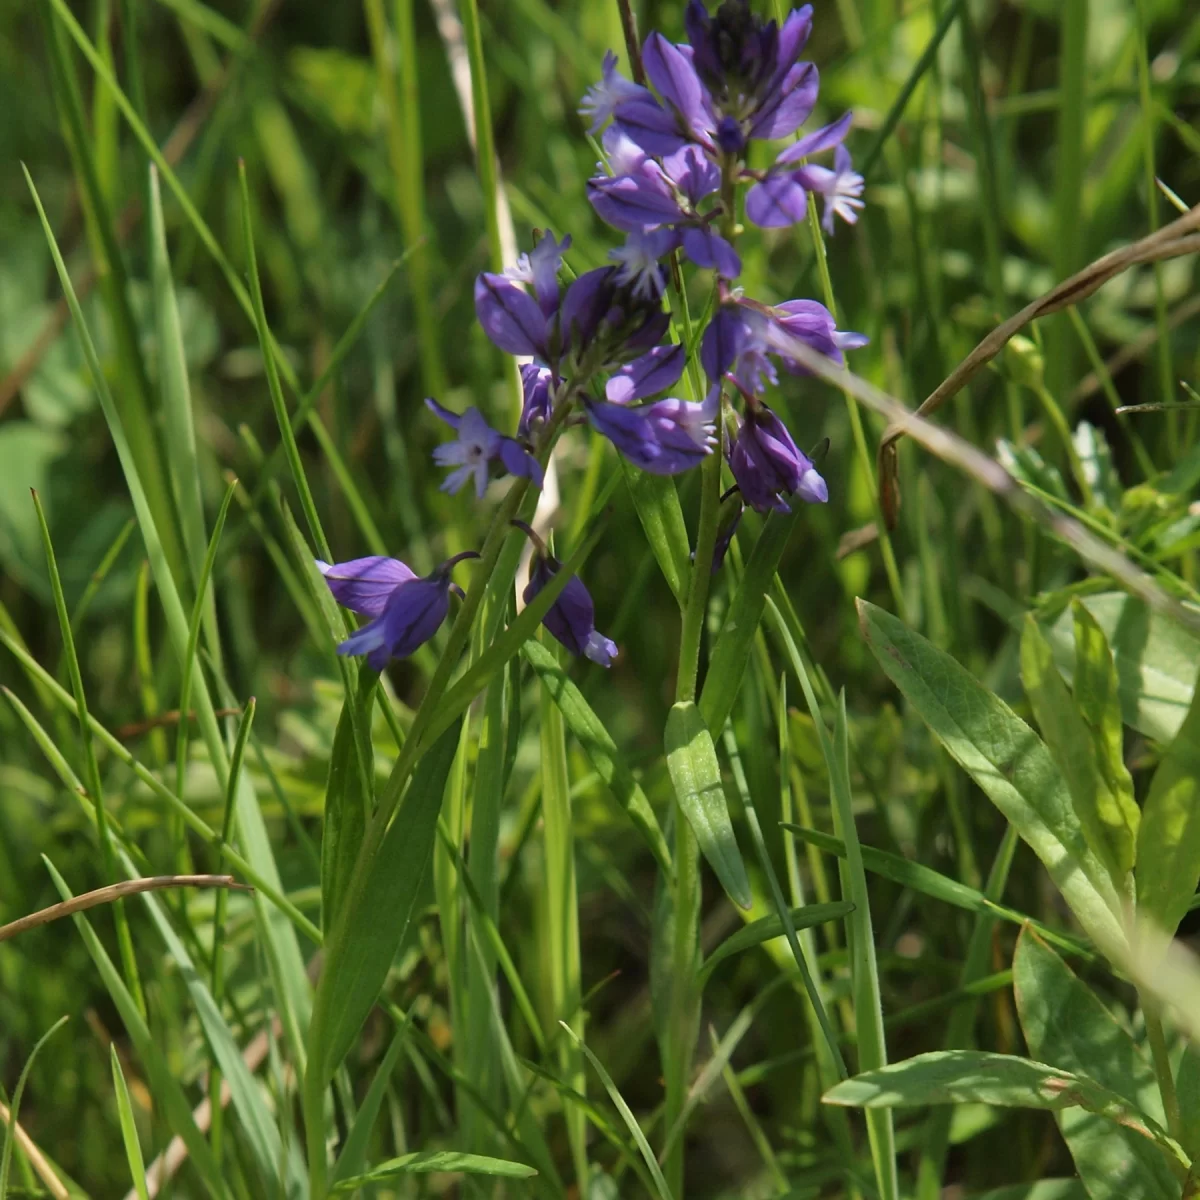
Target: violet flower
{"type": "Point", "coordinates": [745, 336]}
{"type": "Point", "coordinates": [663, 438]}
{"type": "Point", "coordinates": [768, 465]}
{"type": "Point", "coordinates": [476, 447]}
{"type": "Point", "coordinates": [535, 387]}
{"type": "Point", "coordinates": [571, 619]}
{"type": "Point", "coordinates": [407, 610]}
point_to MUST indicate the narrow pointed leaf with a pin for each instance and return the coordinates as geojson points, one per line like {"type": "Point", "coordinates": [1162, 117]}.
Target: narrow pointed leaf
{"type": "Point", "coordinates": [767, 928]}
{"type": "Point", "coordinates": [427, 1161]}
{"type": "Point", "coordinates": [1008, 761]}
{"type": "Point", "coordinates": [696, 774]}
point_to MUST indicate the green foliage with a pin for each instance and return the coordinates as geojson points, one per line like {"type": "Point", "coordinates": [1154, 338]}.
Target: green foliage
{"type": "Point", "coordinates": [172, 323]}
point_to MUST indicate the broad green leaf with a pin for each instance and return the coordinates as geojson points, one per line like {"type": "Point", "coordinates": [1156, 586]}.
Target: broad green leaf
{"type": "Point", "coordinates": [1045, 1189]}
{"type": "Point", "coordinates": [766, 928]}
{"type": "Point", "coordinates": [1155, 660]}
{"type": "Point", "coordinates": [601, 750]}
{"type": "Point", "coordinates": [1065, 1024]}
{"type": "Point", "coordinates": [730, 654]}
{"type": "Point", "coordinates": [377, 911]}
{"type": "Point", "coordinates": [1101, 817]}
{"type": "Point", "coordinates": [657, 504]}
{"type": "Point", "coordinates": [696, 774]}
{"type": "Point", "coordinates": [1169, 836]}
{"type": "Point", "coordinates": [1003, 1080]}
{"type": "Point", "coordinates": [1097, 695]}
{"type": "Point", "coordinates": [1008, 761]}
{"type": "Point", "coordinates": [345, 817]}
{"type": "Point", "coordinates": [163, 1084]}
{"type": "Point", "coordinates": [427, 1161]}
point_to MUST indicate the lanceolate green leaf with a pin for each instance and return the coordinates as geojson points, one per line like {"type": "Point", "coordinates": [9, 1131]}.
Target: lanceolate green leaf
{"type": "Point", "coordinates": [1169, 836]}
{"type": "Point", "coordinates": [696, 774]}
{"type": "Point", "coordinates": [1065, 1024]}
{"type": "Point", "coordinates": [658, 509]}
{"type": "Point", "coordinates": [767, 928]}
{"type": "Point", "coordinates": [1008, 761]}
{"type": "Point", "coordinates": [1003, 1080]}
{"type": "Point", "coordinates": [1101, 817]}
{"type": "Point", "coordinates": [1155, 660]}
{"type": "Point", "coordinates": [600, 749]}
{"type": "Point", "coordinates": [1097, 693]}
{"type": "Point", "coordinates": [373, 922]}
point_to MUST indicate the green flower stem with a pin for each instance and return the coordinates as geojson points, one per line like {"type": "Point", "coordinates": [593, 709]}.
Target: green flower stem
{"type": "Point", "coordinates": [1162, 1067]}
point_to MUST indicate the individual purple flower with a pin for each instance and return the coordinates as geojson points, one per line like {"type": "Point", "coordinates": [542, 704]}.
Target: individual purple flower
{"type": "Point", "coordinates": [639, 261]}
{"type": "Point", "coordinates": [768, 465]}
{"type": "Point", "coordinates": [476, 447]}
{"type": "Point", "coordinates": [536, 383]}
{"type": "Point", "coordinates": [539, 269]}
{"type": "Point", "coordinates": [571, 619]}
{"type": "Point", "coordinates": [363, 585]}
{"type": "Point", "coordinates": [510, 317]}
{"type": "Point", "coordinates": [654, 371]}
{"type": "Point", "coordinates": [602, 98]}
{"type": "Point", "coordinates": [664, 438]}
{"type": "Point", "coordinates": [406, 614]}
{"type": "Point", "coordinates": [745, 337]}
{"type": "Point", "coordinates": [780, 198]}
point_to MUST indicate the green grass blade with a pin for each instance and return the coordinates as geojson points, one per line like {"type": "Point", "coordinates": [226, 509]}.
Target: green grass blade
{"type": "Point", "coordinates": [165, 1087]}
{"type": "Point", "coordinates": [14, 1109]}
{"type": "Point", "coordinates": [601, 750]}
{"type": "Point", "coordinates": [354, 1150]}
{"type": "Point", "coordinates": [129, 1133]}
{"type": "Point", "coordinates": [91, 767]}
{"type": "Point", "coordinates": [656, 501]}
{"type": "Point", "coordinates": [199, 610]}
{"type": "Point", "coordinates": [631, 1122]}
{"type": "Point", "coordinates": [427, 1161]}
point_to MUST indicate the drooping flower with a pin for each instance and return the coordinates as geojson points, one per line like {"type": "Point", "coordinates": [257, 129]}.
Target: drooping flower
{"type": "Point", "coordinates": [476, 447]}
{"type": "Point", "coordinates": [745, 336]}
{"type": "Point", "coordinates": [407, 609]}
{"type": "Point", "coordinates": [663, 438]}
{"type": "Point", "coordinates": [768, 465]}
{"type": "Point", "coordinates": [571, 619]}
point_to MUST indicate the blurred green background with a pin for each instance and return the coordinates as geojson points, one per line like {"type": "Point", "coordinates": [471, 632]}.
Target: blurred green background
{"type": "Point", "coordinates": [1027, 148]}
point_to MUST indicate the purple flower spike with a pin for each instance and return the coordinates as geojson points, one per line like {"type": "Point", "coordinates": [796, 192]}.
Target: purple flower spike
{"type": "Point", "coordinates": [634, 203]}
{"type": "Point", "coordinates": [409, 617]}
{"type": "Point", "coordinates": [768, 466]}
{"type": "Point", "coordinates": [601, 99]}
{"type": "Point", "coordinates": [789, 105]}
{"type": "Point", "coordinates": [571, 619]}
{"type": "Point", "coordinates": [726, 337]}
{"type": "Point", "coordinates": [476, 446]}
{"type": "Point", "coordinates": [669, 68]}
{"type": "Point", "coordinates": [664, 438]}
{"type": "Point", "coordinates": [363, 585]}
{"type": "Point", "coordinates": [510, 316]}
{"type": "Point", "coordinates": [655, 371]}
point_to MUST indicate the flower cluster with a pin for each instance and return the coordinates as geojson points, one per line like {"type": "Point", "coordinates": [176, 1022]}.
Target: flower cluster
{"type": "Point", "coordinates": [596, 348]}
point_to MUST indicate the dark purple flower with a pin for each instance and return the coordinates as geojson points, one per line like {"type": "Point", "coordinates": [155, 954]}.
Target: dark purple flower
{"type": "Point", "coordinates": [405, 618]}
{"type": "Point", "coordinates": [768, 466]}
{"type": "Point", "coordinates": [535, 386]}
{"type": "Point", "coordinates": [663, 438]}
{"type": "Point", "coordinates": [654, 371]}
{"type": "Point", "coordinates": [476, 446]}
{"type": "Point", "coordinates": [637, 202]}
{"type": "Point", "coordinates": [363, 585]}
{"type": "Point", "coordinates": [707, 248]}
{"type": "Point", "coordinates": [744, 336]}
{"type": "Point", "coordinates": [571, 619]}
{"type": "Point", "coordinates": [841, 188]}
